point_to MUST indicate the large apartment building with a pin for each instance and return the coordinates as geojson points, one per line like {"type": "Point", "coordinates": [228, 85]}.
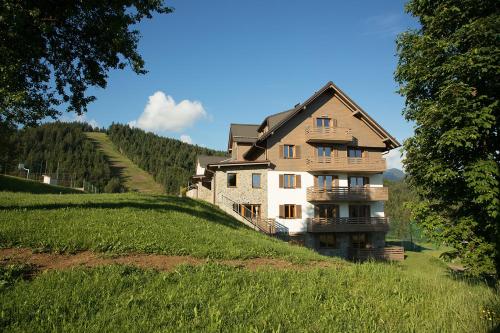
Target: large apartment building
{"type": "Point", "coordinates": [313, 172]}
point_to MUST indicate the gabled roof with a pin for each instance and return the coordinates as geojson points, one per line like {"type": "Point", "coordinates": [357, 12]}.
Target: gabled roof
{"type": "Point", "coordinates": [204, 160]}
{"type": "Point", "coordinates": [243, 133]}
{"type": "Point", "coordinates": [285, 116]}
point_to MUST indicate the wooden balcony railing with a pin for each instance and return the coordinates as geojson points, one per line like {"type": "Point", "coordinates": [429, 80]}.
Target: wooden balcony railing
{"type": "Point", "coordinates": [364, 193]}
{"type": "Point", "coordinates": [346, 164]}
{"type": "Point", "coordinates": [385, 253]}
{"type": "Point", "coordinates": [347, 224]}
{"type": "Point", "coordinates": [328, 134]}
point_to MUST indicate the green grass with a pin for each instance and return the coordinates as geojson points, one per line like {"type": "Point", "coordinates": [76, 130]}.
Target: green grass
{"type": "Point", "coordinates": [134, 178]}
{"type": "Point", "coordinates": [132, 222]}
{"type": "Point", "coordinates": [418, 295]}
{"type": "Point", "coordinates": [358, 298]}
{"type": "Point", "coordinates": [15, 184]}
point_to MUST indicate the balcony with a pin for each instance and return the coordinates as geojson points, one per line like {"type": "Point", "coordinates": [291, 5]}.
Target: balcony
{"type": "Point", "coordinates": [348, 194]}
{"type": "Point", "coordinates": [349, 164]}
{"type": "Point", "coordinates": [348, 224]}
{"type": "Point", "coordinates": [328, 134]}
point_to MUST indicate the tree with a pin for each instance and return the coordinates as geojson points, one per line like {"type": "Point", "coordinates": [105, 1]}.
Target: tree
{"type": "Point", "coordinates": [52, 51]}
{"type": "Point", "coordinates": [448, 72]}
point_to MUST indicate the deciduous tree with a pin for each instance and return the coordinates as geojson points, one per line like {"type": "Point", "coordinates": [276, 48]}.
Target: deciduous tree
{"type": "Point", "coordinates": [449, 73]}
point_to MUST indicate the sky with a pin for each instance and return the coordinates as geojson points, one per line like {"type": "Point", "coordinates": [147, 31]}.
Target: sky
{"type": "Point", "coordinates": [212, 63]}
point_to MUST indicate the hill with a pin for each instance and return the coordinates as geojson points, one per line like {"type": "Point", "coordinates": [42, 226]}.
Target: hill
{"type": "Point", "coordinates": [132, 177]}
{"type": "Point", "coordinates": [393, 174]}
{"type": "Point", "coordinates": [230, 278]}
{"type": "Point", "coordinates": [15, 184]}
{"type": "Point", "coordinates": [170, 161]}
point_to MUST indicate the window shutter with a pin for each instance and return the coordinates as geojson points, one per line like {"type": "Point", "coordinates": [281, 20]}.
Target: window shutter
{"type": "Point", "coordinates": [297, 151]}
{"type": "Point", "coordinates": [315, 181]}
{"type": "Point", "coordinates": [316, 211]}
{"type": "Point", "coordinates": [364, 154]}
{"type": "Point", "coordinates": [297, 181]}
{"type": "Point", "coordinates": [298, 211]}
{"type": "Point", "coordinates": [366, 180]}
{"type": "Point", "coordinates": [281, 148]}
{"type": "Point", "coordinates": [334, 122]}
{"type": "Point", "coordinates": [282, 211]}
{"type": "Point", "coordinates": [281, 181]}
{"type": "Point", "coordinates": [336, 181]}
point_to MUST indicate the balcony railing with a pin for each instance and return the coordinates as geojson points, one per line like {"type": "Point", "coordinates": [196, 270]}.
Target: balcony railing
{"type": "Point", "coordinates": [328, 134]}
{"type": "Point", "coordinates": [364, 193]}
{"type": "Point", "coordinates": [347, 224]}
{"type": "Point", "coordinates": [346, 164]}
{"type": "Point", "coordinates": [384, 253]}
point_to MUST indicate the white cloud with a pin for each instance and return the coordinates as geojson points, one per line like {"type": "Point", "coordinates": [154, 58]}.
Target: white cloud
{"type": "Point", "coordinates": [394, 159]}
{"type": "Point", "coordinates": [81, 119]}
{"type": "Point", "coordinates": [163, 114]}
{"type": "Point", "coordinates": [186, 138]}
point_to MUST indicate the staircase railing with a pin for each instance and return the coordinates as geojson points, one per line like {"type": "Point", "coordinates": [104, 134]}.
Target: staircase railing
{"type": "Point", "coordinates": [268, 226]}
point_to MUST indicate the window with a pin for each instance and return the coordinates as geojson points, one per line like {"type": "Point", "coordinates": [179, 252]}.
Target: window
{"type": "Point", "coordinates": [326, 211]}
{"type": "Point", "coordinates": [256, 180]}
{"type": "Point", "coordinates": [324, 151]}
{"type": "Point", "coordinates": [322, 122]}
{"type": "Point", "coordinates": [289, 211]}
{"type": "Point", "coordinates": [325, 182]}
{"type": "Point", "coordinates": [327, 241]}
{"type": "Point", "coordinates": [289, 181]}
{"type": "Point", "coordinates": [357, 181]}
{"type": "Point", "coordinates": [358, 240]}
{"type": "Point", "coordinates": [289, 151]}
{"type": "Point", "coordinates": [354, 152]}
{"type": "Point", "coordinates": [250, 210]}
{"type": "Point", "coordinates": [359, 211]}
{"type": "Point", "coordinates": [231, 180]}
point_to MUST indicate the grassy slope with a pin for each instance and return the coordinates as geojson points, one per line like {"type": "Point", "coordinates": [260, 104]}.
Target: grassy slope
{"type": "Point", "coordinates": [417, 295]}
{"type": "Point", "coordinates": [132, 222]}
{"type": "Point", "coordinates": [134, 178]}
{"type": "Point", "coordinates": [15, 184]}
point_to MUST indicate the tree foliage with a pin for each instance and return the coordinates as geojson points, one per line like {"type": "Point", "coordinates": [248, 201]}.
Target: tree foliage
{"type": "Point", "coordinates": [401, 196]}
{"type": "Point", "coordinates": [62, 150]}
{"type": "Point", "coordinates": [170, 161]}
{"type": "Point", "coordinates": [449, 73]}
{"type": "Point", "coordinates": [52, 51]}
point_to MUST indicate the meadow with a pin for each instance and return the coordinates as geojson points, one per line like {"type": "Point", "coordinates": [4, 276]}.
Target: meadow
{"type": "Point", "coordinates": [417, 295]}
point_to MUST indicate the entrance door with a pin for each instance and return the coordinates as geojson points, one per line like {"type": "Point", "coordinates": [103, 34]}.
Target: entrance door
{"type": "Point", "coordinates": [326, 182]}
{"type": "Point", "coordinates": [358, 240]}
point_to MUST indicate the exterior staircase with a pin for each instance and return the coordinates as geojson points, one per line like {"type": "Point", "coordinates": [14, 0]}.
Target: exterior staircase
{"type": "Point", "coordinates": [267, 226]}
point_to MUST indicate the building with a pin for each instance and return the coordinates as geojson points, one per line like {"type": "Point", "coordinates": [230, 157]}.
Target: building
{"type": "Point", "coordinates": [313, 173]}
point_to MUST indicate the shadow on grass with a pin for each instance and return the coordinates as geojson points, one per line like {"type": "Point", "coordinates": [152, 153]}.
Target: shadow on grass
{"type": "Point", "coordinates": [462, 276]}
{"type": "Point", "coordinates": [181, 205]}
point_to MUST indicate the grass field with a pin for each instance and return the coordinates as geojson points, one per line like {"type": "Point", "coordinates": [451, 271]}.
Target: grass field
{"type": "Point", "coordinates": [418, 295]}
{"type": "Point", "coordinates": [15, 184]}
{"type": "Point", "coordinates": [134, 178]}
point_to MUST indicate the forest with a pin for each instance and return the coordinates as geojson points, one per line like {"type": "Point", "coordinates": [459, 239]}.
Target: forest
{"type": "Point", "coordinates": [60, 150]}
{"type": "Point", "coordinates": [170, 161]}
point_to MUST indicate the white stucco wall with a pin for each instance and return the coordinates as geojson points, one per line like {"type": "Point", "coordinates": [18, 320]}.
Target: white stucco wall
{"type": "Point", "coordinates": [280, 196]}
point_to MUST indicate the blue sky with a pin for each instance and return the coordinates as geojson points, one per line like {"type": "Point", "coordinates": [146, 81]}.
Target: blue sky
{"type": "Point", "coordinates": [243, 60]}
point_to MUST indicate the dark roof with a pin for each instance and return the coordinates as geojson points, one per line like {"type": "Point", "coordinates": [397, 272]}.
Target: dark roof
{"type": "Point", "coordinates": [205, 159]}
{"type": "Point", "coordinates": [274, 119]}
{"type": "Point", "coordinates": [244, 132]}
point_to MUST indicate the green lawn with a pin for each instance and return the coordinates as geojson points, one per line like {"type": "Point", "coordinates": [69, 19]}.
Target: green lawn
{"type": "Point", "coordinates": [15, 184]}
{"type": "Point", "coordinates": [134, 178]}
{"type": "Point", "coordinates": [132, 222]}
{"type": "Point", "coordinates": [418, 295]}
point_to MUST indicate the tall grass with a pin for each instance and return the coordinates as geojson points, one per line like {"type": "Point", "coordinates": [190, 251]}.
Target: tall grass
{"type": "Point", "coordinates": [357, 298]}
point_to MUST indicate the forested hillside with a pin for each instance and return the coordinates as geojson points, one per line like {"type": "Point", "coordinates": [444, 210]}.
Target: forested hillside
{"type": "Point", "coordinates": [58, 149]}
{"type": "Point", "coordinates": [170, 161]}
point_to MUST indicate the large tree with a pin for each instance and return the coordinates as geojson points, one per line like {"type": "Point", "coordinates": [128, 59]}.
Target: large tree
{"type": "Point", "coordinates": [449, 73]}
{"type": "Point", "coordinates": [51, 51]}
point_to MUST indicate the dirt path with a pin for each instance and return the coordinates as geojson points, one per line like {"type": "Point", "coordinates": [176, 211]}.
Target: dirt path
{"type": "Point", "coordinates": [134, 178]}
{"type": "Point", "coordinates": [49, 261]}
